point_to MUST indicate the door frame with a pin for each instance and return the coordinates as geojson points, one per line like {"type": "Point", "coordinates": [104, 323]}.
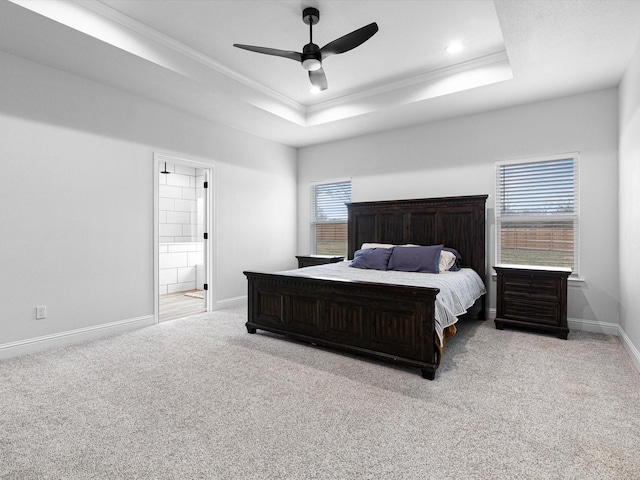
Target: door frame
{"type": "Point", "coordinates": [209, 226]}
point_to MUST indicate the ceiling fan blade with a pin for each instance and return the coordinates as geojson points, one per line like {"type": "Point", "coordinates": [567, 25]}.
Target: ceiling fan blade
{"type": "Point", "coordinates": [272, 51]}
{"type": "Point", "coordinates": [350, 40]}
{"type": "Point", "coordinates": [318, 79]}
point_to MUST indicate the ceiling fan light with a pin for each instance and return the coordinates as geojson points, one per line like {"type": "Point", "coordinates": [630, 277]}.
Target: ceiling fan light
{"type": "Point", "coordinates": [311, 64]}
{"type": "Point", "coordinates": [454, 47]}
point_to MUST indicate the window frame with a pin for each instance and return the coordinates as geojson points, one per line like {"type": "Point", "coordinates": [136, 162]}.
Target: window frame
{"type": "Point", "coordinates": [314, 221]}
{"type": "Point", "coordinates": [501, 218]}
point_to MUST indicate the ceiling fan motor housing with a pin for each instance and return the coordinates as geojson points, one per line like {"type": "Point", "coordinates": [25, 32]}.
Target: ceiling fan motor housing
{"type": "Point", "coordinates": [311, 57]}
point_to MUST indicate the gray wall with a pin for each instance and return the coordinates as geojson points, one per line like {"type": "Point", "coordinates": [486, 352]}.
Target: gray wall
{"type": "Point", "coordinates": [457, 156]}
{"type": "Point", "coordinates": [629, 197]}
{"type": "Point", "coordinates": [76, 202]}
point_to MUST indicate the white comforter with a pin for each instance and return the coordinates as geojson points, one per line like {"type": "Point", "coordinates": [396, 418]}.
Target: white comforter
{"type": "Point", "coordinates": [458, 290]}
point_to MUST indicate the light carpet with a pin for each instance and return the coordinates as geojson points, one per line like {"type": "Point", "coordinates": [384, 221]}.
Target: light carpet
{"type": "Point", "coordinates": [200, 398]}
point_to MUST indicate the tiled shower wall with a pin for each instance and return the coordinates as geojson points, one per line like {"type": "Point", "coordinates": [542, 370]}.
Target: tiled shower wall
{"type": "Point", "coordinates": [181, 214]}
{"type": "Point", "coordinates": [181, 204]}
{"type": "Point", "coordinates": [181, 267]}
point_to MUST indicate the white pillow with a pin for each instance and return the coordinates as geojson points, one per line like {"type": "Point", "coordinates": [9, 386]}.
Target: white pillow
{"type": "Point", "coordinates": [366, 246]}
{"type": "Point", "coordinates": [447, 259]}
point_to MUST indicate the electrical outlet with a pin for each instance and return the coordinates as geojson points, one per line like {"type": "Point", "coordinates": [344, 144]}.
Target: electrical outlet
{"type": "Point", "coordinates": [41, 312]}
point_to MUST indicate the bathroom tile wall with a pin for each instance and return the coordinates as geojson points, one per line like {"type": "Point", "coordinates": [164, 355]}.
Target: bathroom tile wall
{"type": "Point", "coordinates": [181, 208]}
{"type": "Point", "coordinates": [181, 202]}
{"type": "Point", "coordinates": [181, 267]}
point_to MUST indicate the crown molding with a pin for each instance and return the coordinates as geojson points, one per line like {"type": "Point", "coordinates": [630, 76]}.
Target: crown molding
{"type": "Point", "coordinates": [423, 78]}
{"type": "Point", "coordinates": [113, 15]}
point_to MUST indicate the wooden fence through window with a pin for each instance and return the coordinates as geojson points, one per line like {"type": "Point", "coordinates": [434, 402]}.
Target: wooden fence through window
{"type": "Point", "coordinates": [331, 239]}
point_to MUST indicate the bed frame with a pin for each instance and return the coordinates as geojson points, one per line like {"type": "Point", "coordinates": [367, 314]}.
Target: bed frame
{"type": "Point", "coordinates": [388, 322]}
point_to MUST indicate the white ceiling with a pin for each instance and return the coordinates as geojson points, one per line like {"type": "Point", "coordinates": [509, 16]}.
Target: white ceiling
{"type": "Point", "coordinates": [180, 52]}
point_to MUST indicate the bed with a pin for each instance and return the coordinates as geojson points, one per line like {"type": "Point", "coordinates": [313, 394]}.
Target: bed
{"type": "Point", "coordinates": [389, 320]}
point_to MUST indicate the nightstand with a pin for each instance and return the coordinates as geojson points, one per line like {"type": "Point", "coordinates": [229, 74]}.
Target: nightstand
{"type": "Point", "coordinates": [310, 260]}
{"type": "Point", "coordinates": [532, 297]}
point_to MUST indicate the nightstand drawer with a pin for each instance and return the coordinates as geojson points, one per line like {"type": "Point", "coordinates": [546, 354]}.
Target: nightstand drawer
{"type": "Point", "coordinates": [527, 311]}
{"type": "Point", "coordinates": [531, 286]}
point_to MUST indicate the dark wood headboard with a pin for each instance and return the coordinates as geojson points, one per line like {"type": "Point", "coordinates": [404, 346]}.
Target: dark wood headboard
{"type": "Point", "coordinates": [456, 222]}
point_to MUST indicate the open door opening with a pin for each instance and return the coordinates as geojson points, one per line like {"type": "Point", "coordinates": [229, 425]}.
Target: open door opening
{"type": "Point", "coordinates": [182, 236]}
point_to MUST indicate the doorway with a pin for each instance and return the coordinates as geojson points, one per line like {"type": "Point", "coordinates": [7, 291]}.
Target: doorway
{"type": "Point", "coordinates": [182, 206]}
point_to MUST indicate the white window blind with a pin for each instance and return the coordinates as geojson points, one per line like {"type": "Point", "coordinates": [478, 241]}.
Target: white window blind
{"type": "Point", "coordinates": [537, 212]}
{"type": "Point", "coordinates": [329, 218]}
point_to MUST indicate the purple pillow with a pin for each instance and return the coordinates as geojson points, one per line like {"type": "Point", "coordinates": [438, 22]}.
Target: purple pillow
{"type": "Point", "coordinates": [416, 259]}
{"type": "Point", "coordinates": [372, 258]}
{"type": "Point", "coordinates": [457, 265]}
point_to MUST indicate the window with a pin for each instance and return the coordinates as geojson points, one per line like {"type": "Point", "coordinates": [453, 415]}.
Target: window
{"type": "Point", "coordinates": [329, 218]}
{"type": "Point", "coordinates": [537, 212]}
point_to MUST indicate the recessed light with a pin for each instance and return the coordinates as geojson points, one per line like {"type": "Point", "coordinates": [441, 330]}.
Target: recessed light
{"type": "Point", "coordinates": [314, 90]}
{"type": "Point", "coordinates": [454, 47]}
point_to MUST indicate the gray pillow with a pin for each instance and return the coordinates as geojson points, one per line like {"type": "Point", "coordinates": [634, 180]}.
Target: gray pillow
{"type": "Point", "coordinates": [416, 259]}
{"type": "Point", "coordinates": [371, 258]}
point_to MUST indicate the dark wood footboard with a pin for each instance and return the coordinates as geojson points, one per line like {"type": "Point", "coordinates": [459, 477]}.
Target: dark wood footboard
{"type": "Point", "coordinates": [389, 322]}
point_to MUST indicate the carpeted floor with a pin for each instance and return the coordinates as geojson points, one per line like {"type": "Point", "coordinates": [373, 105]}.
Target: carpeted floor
{"type": "Point", "coordinates": [199, 398]}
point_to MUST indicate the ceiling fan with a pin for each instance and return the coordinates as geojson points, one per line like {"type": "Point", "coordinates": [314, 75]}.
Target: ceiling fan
{"type": "Point", "coordinates": [312, 56]}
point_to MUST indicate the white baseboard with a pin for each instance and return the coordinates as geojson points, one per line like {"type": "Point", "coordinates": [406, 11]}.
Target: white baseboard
{"type": "Point", "coordinates": [593, 326]}
{"type": "Point", "coordinates": [630, 347]}
{"type": "Point", "coordinates": [38, 344]}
